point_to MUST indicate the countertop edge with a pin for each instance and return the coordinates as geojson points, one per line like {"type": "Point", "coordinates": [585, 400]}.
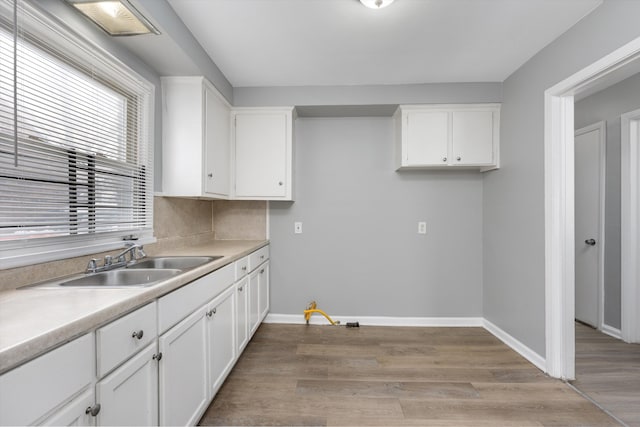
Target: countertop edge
{"type": "Point", "coordinates": [15, 354]}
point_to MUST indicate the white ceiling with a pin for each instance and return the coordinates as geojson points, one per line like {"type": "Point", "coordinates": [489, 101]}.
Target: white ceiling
{"type": "Point", "coordinates": [340, 42]}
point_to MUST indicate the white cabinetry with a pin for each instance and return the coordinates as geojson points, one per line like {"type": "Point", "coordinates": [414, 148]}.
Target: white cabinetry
{"type": "Point", "coordinates": [195, 139]}
{"type": "Point", "coordinates": [46, 386]}
{"type": "Point", "coordinates": [262, 153]}
{"type": "Point", "coordinates": [75, 413]}
{"type": "Point", "coordinates": [263, 290]}
{"type": "Point", "coordinates": [183, 369]}
{"type": "Point", "coordinates": [242, 312]}
{"type": "Point", "coordinates": [221, 338]}
{"type": "Point", "coordinates": [448, 136]}
{"type": "Point", "coordinates": [129, 395]}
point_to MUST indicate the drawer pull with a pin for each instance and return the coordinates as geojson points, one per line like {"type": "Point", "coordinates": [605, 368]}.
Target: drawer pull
{"type": "Point", "coordinates": [244, 268]}
{"type": "Point", "coordinates": [458, 158]}
{"type": "Point", "coordinates": [211, 312]}
{"type": "Point", "coordinates": [93, 410]}
{"type": "Point", "coordinates": [444, 159]}
{"type": "Point", "coordinates": [138, 334]}
{"type": "Point", "coordinates": [261, 256]}
{"type": "Point", "coordinates": [240, 288]}
{"type": "Point", "coordinates": [262, 271]}
{"type": "Point", "coordinates": [157, 356]}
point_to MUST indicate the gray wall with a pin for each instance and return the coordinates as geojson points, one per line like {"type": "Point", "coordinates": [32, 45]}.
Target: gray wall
{"type": "Point", "coordinates": [513, 292]}
{"type": "Point", "coordinates": [435, 93]}
{"type": "Point", "coordinates": [608, 105]}
{"type": "Point", "coordinates": [360, 254]}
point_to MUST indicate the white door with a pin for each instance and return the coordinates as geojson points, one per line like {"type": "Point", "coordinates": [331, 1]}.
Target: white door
{"type": "Point", "coordinates": [427, 138]}
{"type": "Point", "coordinates": [263, 290]}
{"type": "Point", "coordinates": [242, 305]}
{"type": "Point", "coordinates": [76, 413]}
{"type": "Point", "coordinates": [254, 302]}
{"type": "Point", "coordinates": [221, 314]}
{"type": "Point", "coordinates": [588, 238]}
{"type": "Point", "coordinates": [217, 134]}
{"type": "Point", "coordinates": [129, 395]}
{"type": "Point", "coordinates": [182, 371]}
{"type": "Point", "coordinates": [261, 154]}
{"type": "Point", "coordinates": [472, 138]}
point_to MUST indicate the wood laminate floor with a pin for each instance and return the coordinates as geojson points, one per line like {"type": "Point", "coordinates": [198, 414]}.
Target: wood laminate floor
{"type": "Point", "coordinates": [392, 376]}
{"type": "Point", "coordinates": [608, 371]}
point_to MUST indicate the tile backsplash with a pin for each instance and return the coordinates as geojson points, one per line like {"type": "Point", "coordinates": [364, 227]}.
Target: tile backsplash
{"type": "Point", "coordinates": [178, 223]}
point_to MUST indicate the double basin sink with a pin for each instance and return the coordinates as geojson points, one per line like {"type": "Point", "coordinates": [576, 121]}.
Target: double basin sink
{"type": "Point", "coordinates": [142, 273]}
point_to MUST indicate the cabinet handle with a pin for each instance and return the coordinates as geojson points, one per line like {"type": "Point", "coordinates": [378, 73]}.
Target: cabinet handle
{"type": "Point", "coordinates": [157, 356]}
{"type": "Point", "coordinates": [261, 256]}
{"type": "Point", "coordinates": [444, 159]}
{"type": "Point", "coordinates": [244, 268]}
{"type": "Point", "coordinates": [262, 271]}
{"type": "Point", "coordinates": [210, 175]}
{"type": "Point", "coordinates": [280, 183]}
{"type": "Point", "coordinates": [240, 288]}
{"type": "Point", "coordinates": [93, 410]}
{"type": "Point", "coordinates": [138, 334]}
{"type": "Point", "coordinates": [458, 158]}
{"type": "Point", "coordinates": [211, 312]}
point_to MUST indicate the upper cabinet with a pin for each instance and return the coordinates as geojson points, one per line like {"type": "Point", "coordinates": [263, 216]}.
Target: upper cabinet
{"type": "Point", "coordinates": [262, 153]}
{"type": "Point", "coordinates": [448, 136]}
{"type": "Point", "coordinates": [195, 139]}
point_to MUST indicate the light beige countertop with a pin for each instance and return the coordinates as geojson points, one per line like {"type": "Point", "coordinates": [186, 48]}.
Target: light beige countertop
{"type": "Point", "coordinates": [34, 320]}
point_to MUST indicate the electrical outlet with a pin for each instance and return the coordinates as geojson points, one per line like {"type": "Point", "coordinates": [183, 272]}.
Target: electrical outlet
{"type": "Point", "coordinates": [422, 227]}
{"type": "Point", "coordinates": [297, 227]}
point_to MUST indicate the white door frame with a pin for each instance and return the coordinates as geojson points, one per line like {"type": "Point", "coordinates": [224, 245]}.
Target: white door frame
{"type": "Point", "coordinates": [630, 218]}
{"type": "Point", "coordinates": [559, 207]}
{"type": "Point", "coordinates": [602, 171]}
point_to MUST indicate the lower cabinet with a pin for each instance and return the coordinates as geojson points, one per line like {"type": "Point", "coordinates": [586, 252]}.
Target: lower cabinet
{"type": "Point", "coordinates": [182, 371]}
{"type": "Point", "coordinates": [242, 312]}
{"type": "Point", "coordinates": [263, 290]}
{"type": "Point", "coordinates": [76, 413]}
{"type": "Point", "coordinates": [221, 338]}
{"type": "Point", "coordinates": [129, 395]}
{"type": "Point", "coordinates": [253, 291]}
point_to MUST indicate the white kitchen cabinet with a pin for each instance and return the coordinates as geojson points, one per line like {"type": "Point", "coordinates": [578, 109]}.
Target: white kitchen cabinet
{"type": "Point", "coordinates": [195, 139]}
{"type": "Point", "coordinates": [253, 294]}
{"type": "Point", "coordinates": [242, 313]}
{"type": "Point", "coordinates": [448, 136]}
{"type": "Point", "coordinates": [263, 290]}
{"type": "Point", "coordinates": [47, 384]}
{"type": "Point", "coordinates": [183, 371]}
{"type": "Point", "coordinates": [75, 413]}
{"type": "Point", "coordinates": [221, 337]}
{"type": "Point", "coordinates": [262, 153]}
{"type": "Point", "coordinates": [129, 395]}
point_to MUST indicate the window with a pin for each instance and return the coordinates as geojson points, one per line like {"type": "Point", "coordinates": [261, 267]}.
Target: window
{"type": "Point", "coordinates": [78, 177]}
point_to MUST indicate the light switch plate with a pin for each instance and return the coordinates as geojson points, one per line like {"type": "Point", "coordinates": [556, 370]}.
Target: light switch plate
{"type": "Point", "coordinates": [297, 227]}
{"type": "Point", "coordinates": [422, 227]}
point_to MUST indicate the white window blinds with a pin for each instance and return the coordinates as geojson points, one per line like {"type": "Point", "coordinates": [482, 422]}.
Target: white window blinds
{"type": "Point", "coordinates": [79, 177]}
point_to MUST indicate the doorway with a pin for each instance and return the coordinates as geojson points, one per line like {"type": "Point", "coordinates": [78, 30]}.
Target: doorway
{"type": "Point", "coordinates": [559, 210]}
{"type": "Point", "coordinates": [590, 178]}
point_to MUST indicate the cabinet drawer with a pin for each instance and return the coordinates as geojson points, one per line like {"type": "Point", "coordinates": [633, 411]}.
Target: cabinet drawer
{"type": "Point", "coordinates": [258, 257]}
{"type": "Point", "coordinates": [242, 266]}
{"type": "Point", "coordinates": [180, 303]}
{"type": "Point", "coordinates": [32, 390]}
{"type": "Point", "coordinates": [122, 338]}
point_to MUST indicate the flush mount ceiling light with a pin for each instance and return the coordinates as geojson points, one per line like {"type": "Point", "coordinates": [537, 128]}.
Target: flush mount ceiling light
{"type": "Point", "coordinates": [115, 17]}
{"type": "Point", "coordinates": [376, 4]}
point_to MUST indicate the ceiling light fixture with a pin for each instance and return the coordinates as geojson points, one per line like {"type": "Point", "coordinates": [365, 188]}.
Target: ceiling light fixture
{"type": "Point", "coordinates": [115, 17]}
{"type": "Point", "coordinates": [376, 4]}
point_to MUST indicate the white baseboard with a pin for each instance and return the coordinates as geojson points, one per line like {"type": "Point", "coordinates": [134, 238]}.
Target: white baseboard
{"type": "Point", "coordinates": [516, 345]}
{"type": "Point", "coordinates": [318, 319]}
{"type": "Point", "coordinates": [611, 331]}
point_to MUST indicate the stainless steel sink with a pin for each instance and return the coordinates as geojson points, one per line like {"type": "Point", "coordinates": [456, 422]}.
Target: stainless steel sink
{"type": "Point", "coordinates": [177, 262]}
{"type": "Point", "coordinates": [122, 278]}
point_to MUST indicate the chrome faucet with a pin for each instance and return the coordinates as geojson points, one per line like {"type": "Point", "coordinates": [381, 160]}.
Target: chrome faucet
{"type": "Point", "coordinates": [134, 251]}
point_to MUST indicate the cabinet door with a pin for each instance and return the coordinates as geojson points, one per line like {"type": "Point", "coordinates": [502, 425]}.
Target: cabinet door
{"type": "Point", "coordinates": [242, 320]}
{"type": "Point", "coordinates": [427, 138]}
{"type": "Point", "coordinates": [263, 290]}
{"type": "Point", "coordinates": [129, 395]}
{"type": "Point", "coordinates": [221, 338]}
{"type": "Point", "coordinates": [261, 154]}
{"type": "Point", "coordinates": [472, 138]}
{"type": "Point", "coordinates": [254, 305]}
{"type": "Point", "coordinates": [182, 371]}
{"type": "Point", "coordinates": [216, 135]}
{"type": "Point", "coordinates": [75, 413]}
